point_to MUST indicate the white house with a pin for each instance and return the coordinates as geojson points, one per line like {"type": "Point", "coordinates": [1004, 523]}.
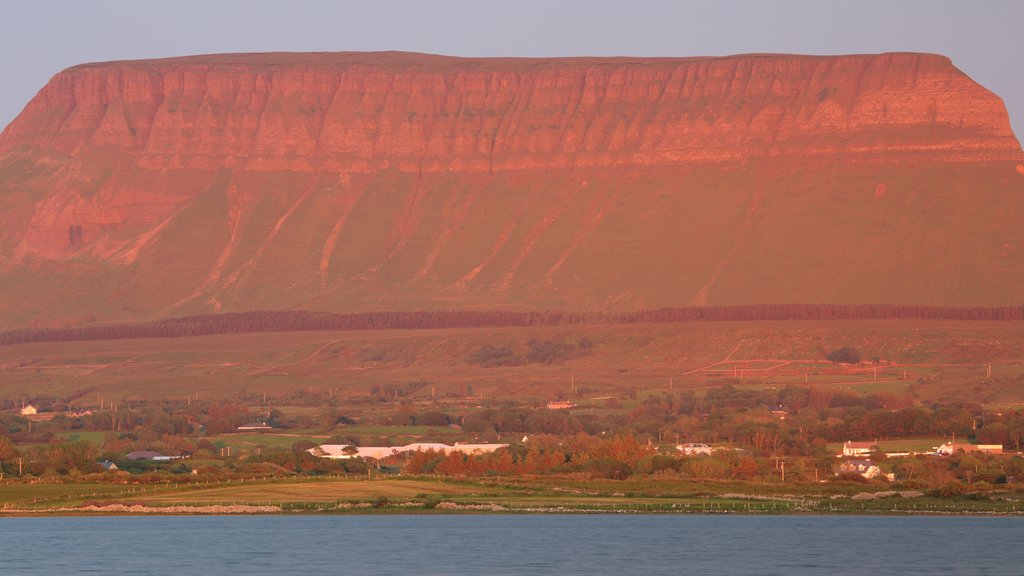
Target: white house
{"type": "Point", "coordinates": [855, 449]}
{"type": "Point", "coordinates": [28, 410]}
{"type": "Point", "coordinates": [865, 468]}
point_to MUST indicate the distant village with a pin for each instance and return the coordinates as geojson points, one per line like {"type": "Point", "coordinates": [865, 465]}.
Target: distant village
{"type": "Point", "coordinates": [729, 433]}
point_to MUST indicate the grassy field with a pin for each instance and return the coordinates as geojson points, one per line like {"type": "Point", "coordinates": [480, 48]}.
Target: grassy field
{"type": "Point", "coordinates": [905, 445]}
{"type": "Point", "coordinates": [413, 495]}
{"type": "Point", "coordinates": [316, 491]}
{"type": "Point", "coordinates": [267, 440]}
{"type": "Point", "coordinates": [927, 359]}
{"type": "Point", "coordinates": [83, 436]}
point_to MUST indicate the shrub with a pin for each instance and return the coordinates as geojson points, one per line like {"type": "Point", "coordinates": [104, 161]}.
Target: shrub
{"type": "Point", "coordinates": [844, 355]}
{"type": "Point", "coordinates": [490, 357]}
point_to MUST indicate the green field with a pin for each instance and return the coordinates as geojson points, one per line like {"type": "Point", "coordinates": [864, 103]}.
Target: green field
{"type": "Point", "coordinates": [905, 445]}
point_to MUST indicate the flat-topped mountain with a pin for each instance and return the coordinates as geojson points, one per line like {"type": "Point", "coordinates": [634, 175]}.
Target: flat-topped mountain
{"type": "Point", "coordinates": [367, 181]}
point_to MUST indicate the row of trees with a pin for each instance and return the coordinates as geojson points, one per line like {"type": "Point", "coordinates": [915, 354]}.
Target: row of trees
{"type": "Point", "coordinates": [620, 457]}
{"type": "Point", "coordinates": [292, 321]}
{"type": "Point", "coordinates": [537, 352]}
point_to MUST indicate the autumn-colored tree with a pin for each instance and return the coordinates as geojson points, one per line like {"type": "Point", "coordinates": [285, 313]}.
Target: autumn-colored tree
{"type": "Point", "coordinates": [707, 467]}
{"type": "Point", "coordinates": [745, 469]}
{"type": "Point", "coordinates": [8, 454]}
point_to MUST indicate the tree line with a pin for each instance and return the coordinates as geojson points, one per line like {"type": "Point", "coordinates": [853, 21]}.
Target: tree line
{"type": "Point", "coordinates": [301, 320]}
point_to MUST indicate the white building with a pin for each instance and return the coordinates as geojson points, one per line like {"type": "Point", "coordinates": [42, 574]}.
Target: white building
{"type": "Point", "coordinates": [855, 449]}
{"type": "Point", "coordinates": [694, 448]}
{"type": "Point", "coordinates": [865, 468]}
{"type": "Point", "coordinates": [345, 451]}
{"type": "Point", "coordinates": [949, 448]}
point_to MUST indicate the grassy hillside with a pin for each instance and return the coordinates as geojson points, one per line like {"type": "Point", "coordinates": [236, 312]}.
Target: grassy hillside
{"type": "Point", "coordinates": [928, 359]}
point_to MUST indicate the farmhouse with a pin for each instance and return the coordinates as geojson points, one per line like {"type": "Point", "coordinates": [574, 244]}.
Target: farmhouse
{"type": "Point", "coordinates": [855, 449]}
{"type": "Point", "coordinates": [30, 409]}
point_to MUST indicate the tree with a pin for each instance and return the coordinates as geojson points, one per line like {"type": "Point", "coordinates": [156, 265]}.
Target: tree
{"type": "Point", "coordinates": [844, 355]}
{"type": "Point", "coordinates": [8, 454]}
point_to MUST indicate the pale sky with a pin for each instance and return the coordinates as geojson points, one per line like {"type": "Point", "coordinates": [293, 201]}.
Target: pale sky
{"type": "Point", "coordinates": [41, 37]}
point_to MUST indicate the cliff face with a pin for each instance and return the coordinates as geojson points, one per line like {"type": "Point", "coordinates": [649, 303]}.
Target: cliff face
{"type": "Point", "coordinates": [351, 181]}
{"type": "Point", "coordinates": [363, 112]}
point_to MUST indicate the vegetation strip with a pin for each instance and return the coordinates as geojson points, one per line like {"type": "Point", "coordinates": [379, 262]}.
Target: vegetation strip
{"type": "Point", "coordinates": [297, 321]}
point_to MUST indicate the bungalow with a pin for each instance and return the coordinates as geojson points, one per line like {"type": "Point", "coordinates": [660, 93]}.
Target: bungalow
{"type": "Point", "coordinates": [855, 449]}
{"type": "Point", "coordinates": [950, 448]}
{"type": "Point", "coordinates": [108, 466]}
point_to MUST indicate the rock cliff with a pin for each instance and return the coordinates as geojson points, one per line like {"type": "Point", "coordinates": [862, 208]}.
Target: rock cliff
{"type": "Point", "coordinates": [350, 181]}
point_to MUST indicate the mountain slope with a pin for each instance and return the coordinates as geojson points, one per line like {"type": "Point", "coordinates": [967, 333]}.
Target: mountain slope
{"type": "Point", "coordinates": [355, 181]}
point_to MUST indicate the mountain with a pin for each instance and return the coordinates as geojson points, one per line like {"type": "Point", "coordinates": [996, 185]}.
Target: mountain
{"type": "Point", "coordinates": [370, 181]}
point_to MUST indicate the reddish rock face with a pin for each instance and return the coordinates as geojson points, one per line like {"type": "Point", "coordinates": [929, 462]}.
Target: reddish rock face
{"type": "Point", "coordinates": [358, 181]}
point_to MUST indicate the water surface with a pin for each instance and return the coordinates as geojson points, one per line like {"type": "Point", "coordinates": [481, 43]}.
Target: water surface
{"type": "Point", "coordinates": [564, 545]}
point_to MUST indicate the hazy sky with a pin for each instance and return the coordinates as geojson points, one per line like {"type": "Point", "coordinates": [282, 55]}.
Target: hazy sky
{"type": "Point", "coordinates": [40, 37]}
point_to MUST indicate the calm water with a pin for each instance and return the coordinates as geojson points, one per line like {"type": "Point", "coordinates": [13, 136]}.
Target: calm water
{"type": "Point", "coordinates": [519, 545]}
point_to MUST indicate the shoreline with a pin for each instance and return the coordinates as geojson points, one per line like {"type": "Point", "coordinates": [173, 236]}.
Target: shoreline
{"type": "Point", "coordinates": [453, 508]}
